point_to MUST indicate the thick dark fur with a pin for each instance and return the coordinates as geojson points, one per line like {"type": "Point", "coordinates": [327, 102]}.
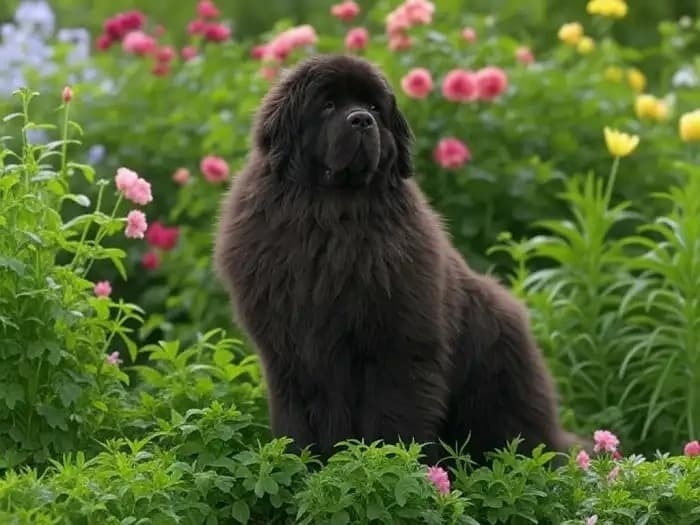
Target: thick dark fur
{"type": "Point", "coordinates": [368, 322]}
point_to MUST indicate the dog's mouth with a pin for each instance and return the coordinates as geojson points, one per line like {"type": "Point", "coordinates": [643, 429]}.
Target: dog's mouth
{"type": "Point", "coordinates": [356, 167]}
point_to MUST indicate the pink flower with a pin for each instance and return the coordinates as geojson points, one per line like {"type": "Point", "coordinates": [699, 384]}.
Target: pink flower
{"type": "Point", "coordinates": [207, 9]}
{"type": "Point", "coordinates": [188, 53]}
{"type": "Point", "coordinates": [490, 82]}
{"type": "Point", "coordinates": [459, 85]}
{"type": "Point", "coordinates": [139, 192]}
{"type": "Point", "coordinates": [524, 55]}
{"type": "Point", "coordinates": [165, 54]}
{"type": "Point", "coordinates": [605, 441]}
{"type": "Point", "coordinates": [417, 83]}
{"type": "Point", "coordinates": [138, 43]}
{"type": "Point", "coordinates": [304, 35]}
{"type": "Point", "coordinates": [67, 94]}
{"type": "Point", "coordinates": [614, 473]}
{"type": "Point", "coordinates": [135, 224]}
{"type": "Point", "coordinates": [357, 38]}
{"type": "Point", "coordinates": [592, 520]}
{"type": "Point", "coordinates": [125, 178]}
{"type": "Point", "coordinates": [161, 69]}
{"type": "Point", "coordinates": [451, 153]}
{"type": "Point", "coordinates": [258, 52]}
{"type": "Point", "coordinates": [400, 42]}
{"type": "Point", "coordinates": [397, 21]}
{"type": "Point", "coordinates": [102, 289]}
{"type": "Point", "coordinates": [196, 27]}
{"type": "Point", "coordinates": [115, 28]}
{"type": "Point", "coordinates": [181, 176]}
{"type": "Point", "coordinates": [132, 20]}
{"type": "Point", "coordinates": [104, 42]}
{"type": "Point", "coordinates": [161, 236]}
{"type": "Point", "coordinates": [113, 359]}
{"type": "Point", "coordinates": [438, 476]}
{"type": "Point", "coordinates": [214, 168]}
{"type": "Point", "coordinates": [345, 11]}
{"type": "Point", "coordinates": [469, 34]}
{"type": "Point", "coordinates": [150, 260]}
{"type": "Point", "coordinates": [419, 11]}
{"type": "Point", "coordinates": [158, 31]}
{"type": "Point", "coordinates": [583, 460]}
{"type": "Point", "coordinates": [217, 33]}
{"type": "Point", "coordinates": [692, 449]}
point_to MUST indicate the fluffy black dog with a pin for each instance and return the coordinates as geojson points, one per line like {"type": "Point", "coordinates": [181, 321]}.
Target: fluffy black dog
{"type": "Point", "coordinates": [369, 324]}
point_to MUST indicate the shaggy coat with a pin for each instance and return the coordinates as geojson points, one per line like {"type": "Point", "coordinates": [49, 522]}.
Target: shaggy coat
{"type": "Point", "coordinates": [368, 322]}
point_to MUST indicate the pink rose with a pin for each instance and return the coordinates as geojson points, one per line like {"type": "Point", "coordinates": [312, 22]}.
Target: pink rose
{"type": "Point", "coordinates": [400, 42]}
{"type": "Point", "coordinates": [605, 441]}
{"type": "Point", "coordinates": [150, 260]}
{"type": "Point", "coordinates": [692, 449]}
{"type": "Point", "coordinates": [357, 38]}
{"type": "Point", "coordinates": [181, 176]}
{"type": "Point", "coordinates": [135, 224]}
{"type": "Point", "coordinates": [417, 83]}
{"type": "Point", "coordinates": [451, 153]}
{"type": "Point", "coordinates": [524, 55]}
{"type": "Point", "coordinates": [469, 34]}
{"type": "Point", "coordinates": [207, 9]}
{"type": "Point", "coordinates": [217, 32]}
{"type": "Point", "coordinates": [214, 168]}
{"type": "Point", "coordinates": [345, 11]}
{"type": "Point", "coordinates": [459, 85]}
{"type": "Point", "coordinates": [583, 460]}
{"type": "Point", "coordinates": [490, 82]}
{"type": "Point", "coordinates": [102, 289]}
{"type": "Point", "coordinates": [138, 43]}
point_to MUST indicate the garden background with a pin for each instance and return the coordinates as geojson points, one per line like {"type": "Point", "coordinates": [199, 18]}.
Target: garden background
{"type": "Point", "coordinates": [128, 396]}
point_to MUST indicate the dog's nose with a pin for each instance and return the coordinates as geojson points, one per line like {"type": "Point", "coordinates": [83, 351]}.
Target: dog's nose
{"type": "Point", "coordinates": [361, 119]}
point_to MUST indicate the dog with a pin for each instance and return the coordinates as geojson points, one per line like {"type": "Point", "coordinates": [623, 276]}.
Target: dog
{"type": "Point", "coordinates": [368, 322]}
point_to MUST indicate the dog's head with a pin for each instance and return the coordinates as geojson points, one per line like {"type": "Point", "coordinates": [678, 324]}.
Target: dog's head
{"type": "Point", "coordinates": [333, 121]}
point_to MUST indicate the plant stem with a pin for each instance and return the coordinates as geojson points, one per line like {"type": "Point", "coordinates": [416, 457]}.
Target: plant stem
{"type": "Point", "coordinates": [611, 182]}
{"type": "Point", "coordinates": [64, 147]}
{"type": "Point", "coordinates": [101, 232]}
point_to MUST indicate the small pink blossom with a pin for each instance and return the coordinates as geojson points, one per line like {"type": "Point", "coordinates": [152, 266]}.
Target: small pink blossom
{"type": "Point", "coordinates": [592, 520]}
{"type": "Point", "coordinates": [214, 168]}
{"type": "Point", "coordinates": [138, 43]}
{"type": "Point", "coordinates": [125, 178]}
{"type": "Point", "coordinates": [614, 473]}
{"type": "Point", "coordinates": [258, 52]}
{"type": "Point", "coordinates": [451, 153]}
{"type": "Point", "coordinates": [692, 448]}
{"type": "Point", "coordinates": [345, 11]}
{"type": "Point", "coordinates": [459, 85]}
{"type": "Point", "coordinates": [104, 42]}
{"type": "Point", "coordinates": [583, 460]}
{"type": "Point", "coordinates": [357, 38]}
{"type": "Point", "coordinates": [419, 11]}
{"type": "Point", "coordinates": [605, 441]}
{"type": "Point", "coordinates": [158, 31]}
{"type": "Point", "coordinates": [136, 224]}
{"type": "Point", "coordinates": [400, 42]}
{"type": "Point", "coordinates": [397, 21]}
{"type": "Point", "coordinates": [207, 9]}
{"type": "Point", "coordinates": [438, 476]}
{"type": "Point", "coordinates": [469, 34]}
{"type": "Point", "coordinates": [161, 236]}
{"type": "Point", "coordinates": [524, 55]}
{"type": "Point", "coordinates": [67, 94]}
{"type": "Point", "coordinates": [181, 176]}
{"type": "Point", "coordinates": [303, 35]}
{"type": "Point", "coordinates": [139, 192]}
{"type": "Point", "coordinates": [102, 289]}
{"type": "Point", "coordinates": [165, 54]}
{"type": "Point", "coordinates": [418, 83]}
{"type": "Point", "coordinates": [150, 260]}
{"type": "Point", "coordinates": [217, 32]}
{"type": "Point", "coordinates": [161, 69]}
{"type": "Point", "coordinates": [196, 27]}
{"type": "Point", "coordinates": [188, 53]}
{"type": "Point", "coordinates": [490, 82]}
{"type": "Point", "coordinates": [113, 359]}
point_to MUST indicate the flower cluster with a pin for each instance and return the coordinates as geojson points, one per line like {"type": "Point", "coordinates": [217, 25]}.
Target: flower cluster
{"type": "Point", "coordinates": [608, 8]}
{"type": "Point", "coordinates": [206, 25]}
{"type": "Point", "coordinates": [276, 51]}
{"type": "Point", "coordinates": [461, 85]}
{"type": "Point", "coordinates": [651, 108]}
{"type": "Point", "coordinates": [400, 20]}
{"type": "Point", "coordinates": [439, 477]}
{"type": "Point", "coordinates": [345, 11]}
{"type": "Point", "coordinates": [572, 34]}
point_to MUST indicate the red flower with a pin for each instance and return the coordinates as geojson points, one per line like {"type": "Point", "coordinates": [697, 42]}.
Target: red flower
{"type": "Point", "coordinates": [217, 33]}
{"type": "Point", "coordinates": [161, 236]}
{"type": "Point", "coordinates": [357, 38]}
{"type": "Point", "coordinates": [165, 54]}
{"type": "Point", "coordinates": [104, 42]}
{"type": "Point", "coordinates": [207, 9]}
{"type": "Point", "coordinates": [214, 168]}
{"type": "Point", "coordinates": [459, 85]}
{"type": "Point", "coordinates": [150, 260]}
{"type": "Point", "coordinates": [345, 11]}
{"type": "Point", "coordinates": [132, 20]}
{"type": "Point", "coordinates": [451, 153]}
{"type": "Point", "coordinates": [196, 27]}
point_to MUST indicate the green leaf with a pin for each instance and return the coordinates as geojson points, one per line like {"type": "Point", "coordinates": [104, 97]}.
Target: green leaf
{"type": "Point", "coordinates": [240, 511]}
{"type": "Point", "coordinates": [81, 200]}
{"type": "Point", "coordinates": [340, 518]}
{"type": "Point", "coordinates": [11, 393]}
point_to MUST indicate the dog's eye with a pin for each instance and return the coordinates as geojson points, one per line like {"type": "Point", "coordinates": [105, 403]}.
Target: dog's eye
{"type": "Point", "coordinates": [329, 105]}
{"type": "Point", "coordinates": [372, 107]}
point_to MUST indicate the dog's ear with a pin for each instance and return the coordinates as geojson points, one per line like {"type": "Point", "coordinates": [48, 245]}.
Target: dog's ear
{"type": "Point", "coordinates": [403, 137]}
{"type": "Point", "coordinates": [278, 122]}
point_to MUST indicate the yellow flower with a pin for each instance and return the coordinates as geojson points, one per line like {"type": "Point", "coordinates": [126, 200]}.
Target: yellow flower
{"type": "Point", "coordinates": [613, 74]}
{"type": "Point", "coordinates": [585, 45]}
{"type": "Point", "coordinates": [571, 33]}
{"type": "Point", "coordinates": [650, 107]}
{"type": "Point", "coordinates": [689, 126]}
{"type": "Point", "coordinates": [620, 144]}
{"type": "Point", "coordinates": [636, 80]}
{"type": "Point", "coordinates": [612, 8]}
